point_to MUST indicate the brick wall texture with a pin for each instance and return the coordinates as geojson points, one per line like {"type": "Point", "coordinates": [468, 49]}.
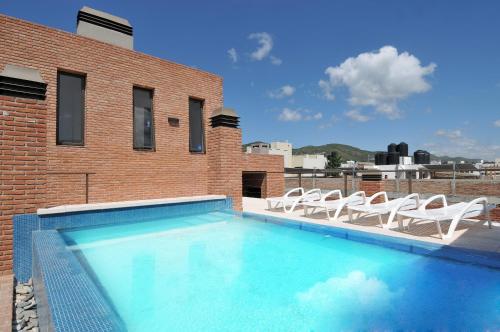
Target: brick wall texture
{"type": "Point", "coordinates": [38, 173]}
{"type": "Point", "coordinates": [23, 165]}
{"type": "Point", "coordinates": [272, 165]}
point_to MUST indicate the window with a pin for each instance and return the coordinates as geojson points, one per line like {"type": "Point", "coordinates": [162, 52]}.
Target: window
{"type": "Point", "coordinates": [196, 139]}
{"type": "Point", "coordinates": [143, 119]}
{"type": "Point", "coordinates": [70, 108]}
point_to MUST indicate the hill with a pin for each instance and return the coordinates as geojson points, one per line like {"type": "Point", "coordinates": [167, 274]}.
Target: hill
{"type": "Point", "coordinates": [348, 152]}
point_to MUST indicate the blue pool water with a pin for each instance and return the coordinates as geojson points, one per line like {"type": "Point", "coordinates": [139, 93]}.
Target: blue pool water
{"type": "Point", "coordinates": [218, 272]}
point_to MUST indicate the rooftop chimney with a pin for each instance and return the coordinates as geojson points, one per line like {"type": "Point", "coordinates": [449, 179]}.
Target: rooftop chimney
{"type": "Point", "coordinates": [104, 27]}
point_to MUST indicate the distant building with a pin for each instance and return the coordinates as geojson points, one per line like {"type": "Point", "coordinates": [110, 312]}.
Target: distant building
{"type": "Point", "coordinates": [276, 148]}
{"type": "Point", "coordinates": [317, 161]}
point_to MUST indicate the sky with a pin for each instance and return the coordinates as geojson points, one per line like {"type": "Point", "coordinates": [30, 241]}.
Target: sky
{"type": "Point", "coordinates": [363, 73]}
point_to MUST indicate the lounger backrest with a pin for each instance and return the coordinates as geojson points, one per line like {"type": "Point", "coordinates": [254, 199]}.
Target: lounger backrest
{"type": "Point", "coordinates": [431, 199]}
{"type": "Point", "coordinates": [332, 193]}
{"type": "Point", "coordinates": [299, 190]}
{"type": "Point", "coordinates": [374, 196]}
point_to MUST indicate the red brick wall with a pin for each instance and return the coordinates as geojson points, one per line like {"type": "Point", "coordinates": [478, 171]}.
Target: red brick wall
{"type": "Point", "coordinates": [224, 167]}
{"type": "Point", "coordinates": [372, 187]}
{"type": "Point", "coordinates": [23, 165]}
{"type": "Point", "coordinates": [121, 173]}
{"type": "Point", "coordinates": [273, 165]}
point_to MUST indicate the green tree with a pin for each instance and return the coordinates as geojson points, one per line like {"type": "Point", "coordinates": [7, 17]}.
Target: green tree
{"type": "Point", "coordinates": [334, 160]}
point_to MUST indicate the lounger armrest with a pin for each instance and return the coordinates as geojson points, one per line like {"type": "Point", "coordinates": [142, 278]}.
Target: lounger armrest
{"type": "Point", "coordinates": [456, 219]}
{"type": "Point", "coordinates": [300, 199]}
{"type": "Point", "coordinates": [432, 199]}
{"type": "Point", "coordinates": [479, 200]}
{"type": "Point", "coordinates": [331, 193]}
{"type": "Point", "coordinates": [374, 196]}
{"type": "Point", "coordinates": [311, 192]}
{"type": "Point", "coordinates": [356, 194]}
{"type": "Point", "coordinates": [299, 189]}
{"type": "Point", "coordinates": [395, 210]}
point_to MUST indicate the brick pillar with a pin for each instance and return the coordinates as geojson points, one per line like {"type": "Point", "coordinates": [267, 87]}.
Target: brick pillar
{"type": "Point", "coordinates": [372, 187]}
{"type": "Point", "coordinates": [225, 156]}
{"type": "Point", "coordinates": [23, 151]}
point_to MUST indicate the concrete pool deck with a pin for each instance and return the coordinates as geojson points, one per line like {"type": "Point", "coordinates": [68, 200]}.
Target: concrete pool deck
{"type": "Point", "coordinates": [6, 301]}
{"type": "Point", "coordinates": [469, 235]}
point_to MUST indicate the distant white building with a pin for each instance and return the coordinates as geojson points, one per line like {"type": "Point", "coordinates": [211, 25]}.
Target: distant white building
{"type": "Point", "coordinates": [277, 148]}
{"type": "Point", "coordinates": [317, 161]}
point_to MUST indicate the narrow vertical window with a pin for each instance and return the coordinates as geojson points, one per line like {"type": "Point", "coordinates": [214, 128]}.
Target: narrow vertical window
{"type": "Point", "coordinates": [196, 135]}
{"type": "Point", "coordinates": [143, 119]}
{"type": "Point", "coordinates": [70, 108]}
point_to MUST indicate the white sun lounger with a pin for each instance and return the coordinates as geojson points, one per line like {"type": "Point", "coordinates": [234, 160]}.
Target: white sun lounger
{"type": "Point", "coordinates": [293, 201]}
{"type": "Point", "coordinates": [454, 212]}
{"type": "Point", "coordinates": [409, 202]}
{"type": "Point", "coordinates": [336, 204]}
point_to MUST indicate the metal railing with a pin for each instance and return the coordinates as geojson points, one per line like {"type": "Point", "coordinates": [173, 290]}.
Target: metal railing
{"type": "Point", "coordinates": [455, 182]}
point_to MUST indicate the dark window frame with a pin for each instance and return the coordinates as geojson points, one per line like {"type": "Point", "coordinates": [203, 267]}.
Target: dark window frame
{"type": "Point", "coordinates": [84, 83]}
{"type": "Point", "coordinates": [153, 140]}
{"type": "Point", "coordinates": [203, 138]}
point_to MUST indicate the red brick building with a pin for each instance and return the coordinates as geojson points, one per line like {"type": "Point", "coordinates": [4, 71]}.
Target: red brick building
{"type": "Point", "coordinates": [85, 118]}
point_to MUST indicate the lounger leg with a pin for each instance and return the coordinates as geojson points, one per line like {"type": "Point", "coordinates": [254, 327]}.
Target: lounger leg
{"type": "Point", "coordinates": [380, 220]}
{"type": "Point", "coordinates": [401, 226]}
{"type": "Point", "coordinates": [488, 218]}
{"type": "Point", "coordinates": [438, 225]}
{"type": "Point", "coordinates": [350, 215]}
{"type": "Point", "coordinates": [409, 223]}
{"type": "Point", "coordinates": [337, 213]}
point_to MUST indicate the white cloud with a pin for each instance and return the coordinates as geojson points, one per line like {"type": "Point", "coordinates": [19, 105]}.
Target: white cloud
{"type": "Point", "coordinates": [315, 116]}
{"type": "Point", "coordinates": [497, 123]}
{"type": "Point", "coordinates": [265, 45]}
{"type": "Point", "coordinates": [275, 60]}
{"type": "Point", "coordinates": [290, 115]}
{"type": "Point", "coordinates": [329, 123]}
{"type": "Point", "coordinates": [294, 115]}
{"type": "Point", "coordinates": [327, 90]}
{"type": "Point", "coordinates": [284, 91]}
{"type": "Point", "coordinates": [379, 79]}
{"type": "Point", "coordinates": [357, 116]}
{"type": "Point", "coordinates": [451, 134]}
{"type": "Point", "coordinates": [454, 143]}
{"type": "Point", "coordinates": [233, 55]}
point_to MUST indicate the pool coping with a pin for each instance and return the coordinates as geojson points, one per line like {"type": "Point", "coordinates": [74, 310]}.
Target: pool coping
{"type": "Point", "coordinates": [480, 258]}
{"type": "Point", "coordinates": [125, 204]}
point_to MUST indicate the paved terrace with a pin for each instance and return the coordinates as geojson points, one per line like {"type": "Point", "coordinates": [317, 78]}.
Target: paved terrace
{"type": "Point", "coordinates": [6, 298]}
{"type": "Point", "coordinates": [469, 234]}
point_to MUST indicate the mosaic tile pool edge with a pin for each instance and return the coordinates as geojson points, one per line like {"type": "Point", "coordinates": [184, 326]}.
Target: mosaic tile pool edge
{"type": "Point", "coordinates": [26, 224]}
{"type": "Point", "coordinates": [468, 256]}
{"type": "Point", "coordinates": [68, 298]}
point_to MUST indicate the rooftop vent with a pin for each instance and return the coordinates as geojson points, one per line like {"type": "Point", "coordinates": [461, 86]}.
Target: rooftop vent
{"type": "Point", "coordinates": [104, 27]}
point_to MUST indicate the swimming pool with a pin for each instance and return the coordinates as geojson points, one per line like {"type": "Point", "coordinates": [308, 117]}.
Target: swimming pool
{"type": "Point", "coordinates": [220, 272]}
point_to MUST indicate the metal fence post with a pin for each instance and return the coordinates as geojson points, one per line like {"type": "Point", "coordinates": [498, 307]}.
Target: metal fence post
{"type": "Point", "coordinates": [353, 174]}
{"type": "Point", "coordinates": [314, 178]}
{"type": "Point", "coordinates": [453, 182]}
{"type": "Point", "coordinates": [397, 178]}
{"type": "Point", "coordinates": [345, 183]}
{"type": "Point", "coordinates": [300, 179]}
{"type": "Point", "coordinates": [410, 189]}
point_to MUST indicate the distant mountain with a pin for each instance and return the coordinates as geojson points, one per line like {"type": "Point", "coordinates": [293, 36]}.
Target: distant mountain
{"type": "Point", "coordinates": [348, 152]}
